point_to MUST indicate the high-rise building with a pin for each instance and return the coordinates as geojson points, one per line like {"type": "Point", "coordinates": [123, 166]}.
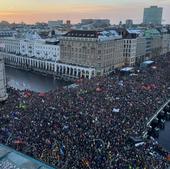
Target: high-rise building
{"type": "Point", "coordinates": [3, 93]}
{"type": "Point", "coordinates": [153, 15]}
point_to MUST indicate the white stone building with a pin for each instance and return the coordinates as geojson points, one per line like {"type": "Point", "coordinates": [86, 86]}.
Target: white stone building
{"type": "Point", "coordinates": [31, 48]}
{"type": "Point", "coordinates": [11, 45]}
{"type": "Point", "coordinates": [40, 50]}
{"type": "Point", "coordinates": [65, 71]}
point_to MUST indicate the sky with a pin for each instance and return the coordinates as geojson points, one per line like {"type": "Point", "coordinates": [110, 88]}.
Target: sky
{"type": "Point", "coordinates": [31, 11]}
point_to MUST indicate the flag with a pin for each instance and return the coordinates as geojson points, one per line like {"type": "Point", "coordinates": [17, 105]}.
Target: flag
{"type": "Point", "coordinates": [116, 110]}
{"type": "Point", "coordinates": [22, 106]}
{"type": "Point", "coordinates": [18, 142]}
{"type": "Point", "coordinates": [61, 152]}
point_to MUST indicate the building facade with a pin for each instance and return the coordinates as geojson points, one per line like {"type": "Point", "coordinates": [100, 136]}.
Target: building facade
{"type": "Point", "coordinates": [129, 23]}
{"type": "Point", "coordinates": [97, 21]}
{"type": "Point", "coordinates": [31, 48]}
{"type": "Point", "coordinates": [133, 46]}
{"type": "Point", "coordinates": [7, 33]}
{"type": "Point", "coordinates": [153, 43]}
{"type": "Point", "coordinates": [100, 50]}
{"type": "Point", "coordinates": [153, 15]}
{"type": "Point", "coordinates": [3, 92]}
{"type": "Point", "coordinates": [164, 40]}
{"type": "Point", "coordinates": [53, 24]}
{"type": "Point", "coordinates": [57, 69]}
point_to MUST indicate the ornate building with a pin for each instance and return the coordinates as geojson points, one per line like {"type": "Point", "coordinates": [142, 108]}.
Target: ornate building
{"type": "Point", "coordinates": [102, 50]}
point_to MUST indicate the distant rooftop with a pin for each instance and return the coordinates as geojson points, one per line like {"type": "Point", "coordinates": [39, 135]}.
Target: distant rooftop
{"type": "Point", "coordinates": [11, 159]}
{"type": "Point", "coordinates": [154, 6]}
{"type": "Point", "coordinates": [81, 33]}
{"type": "Point", "coordinates": [151, 32]}
{"type": "Point", "coordinates": [134, 31]}
{"type": "Point", "coordinates": [101, 35]}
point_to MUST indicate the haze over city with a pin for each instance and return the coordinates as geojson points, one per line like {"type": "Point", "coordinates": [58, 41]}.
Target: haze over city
{"type": "Point", "coordinates": [43, 10]}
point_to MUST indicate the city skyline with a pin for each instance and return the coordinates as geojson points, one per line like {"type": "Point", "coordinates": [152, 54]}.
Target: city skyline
{"type": "Point", "coordinates": [42, 10]}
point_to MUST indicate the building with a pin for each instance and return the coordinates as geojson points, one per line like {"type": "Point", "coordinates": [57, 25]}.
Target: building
{"type": "Point", "coordinates": [153, 43]}
{"type": "Point", "coordinates": [40, 50]}
{"type": "Point", "coordinates": [33, 53]}
{"type": "Point", "coordinates": [11, 159]}
{"type": "Point", "coordinates": [129, 23]}
{"type": "Point", "coordinates": [99, 21]}
{"type": "Point", "coordinates": [11, 45]}
{"type": "Point", "coordinates": [133, 46]}
{"type": "Point", "coordinates": [68, 22]}
{"type": "Point", "coordinates": [7, 33]}
{"type": "Point", "coordinates": [3, 92]}
{"type": "Point", "coordinates": [92, 24]}
{"type": "Point", "coordinates": [57, 69]}
{"type": "Point", "coordinates": [53, 24]}
{"type": "Point", "coordinates": [153, 15]}
{"type": "Point", "coordinates": [102, 50]}
{"type": "Point", "coordinates": [164, 40]}
{"type": "Point", "coordinates": [31, 46]}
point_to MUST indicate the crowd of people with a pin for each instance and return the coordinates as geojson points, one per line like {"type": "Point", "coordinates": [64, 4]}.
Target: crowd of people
{"type": "Point", "coordinates": [87, 127]}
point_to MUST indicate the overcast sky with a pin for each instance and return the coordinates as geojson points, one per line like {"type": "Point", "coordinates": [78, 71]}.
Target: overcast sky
{"type": "Point", "coordinates": [32, 11]}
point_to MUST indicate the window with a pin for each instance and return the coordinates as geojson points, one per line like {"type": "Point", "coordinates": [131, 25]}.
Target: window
{"type": "Point", "coordinates": [99, 51]}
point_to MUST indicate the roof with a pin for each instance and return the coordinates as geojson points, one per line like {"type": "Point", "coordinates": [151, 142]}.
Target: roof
{"type": "Point", "coordinates": [134, 31]}
{"type": "Point", "coordinates": [32, 36]}
{"type": "Point", "coordinates": [129, 33]}
{"type": "Point", "coordinates": [101, 35]}
{"type": "Point", "coordinates": [81, 33]}
{"type": "Point", "coordinates": [11, 159]}
{"type": "Point", "coordinates": [109, 34]}
{"type": "Point", "coordinates": [151, 32]}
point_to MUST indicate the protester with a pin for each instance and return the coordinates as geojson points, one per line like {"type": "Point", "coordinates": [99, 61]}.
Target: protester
{"type": "Point", "coordinates": [87, 127]}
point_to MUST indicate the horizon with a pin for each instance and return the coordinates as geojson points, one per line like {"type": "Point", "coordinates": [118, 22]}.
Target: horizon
{"type": "Point", "coordinates": [33, 11]}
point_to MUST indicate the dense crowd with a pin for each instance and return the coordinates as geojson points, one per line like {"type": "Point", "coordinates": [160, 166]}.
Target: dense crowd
{"type": "Point", "coordinates": [87, 127]}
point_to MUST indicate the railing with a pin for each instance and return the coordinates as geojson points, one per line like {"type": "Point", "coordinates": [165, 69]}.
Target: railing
{"type": "Point", "coordinates": [156, 114]}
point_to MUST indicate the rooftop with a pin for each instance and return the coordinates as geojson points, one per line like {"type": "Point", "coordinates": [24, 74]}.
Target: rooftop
{"type": "Point", "coordinates": [101, 35]}
{"type": "Point", "coordinates": [11, 159]}
{"type": "Point", "coordinates": [80, 33]}
{"type": "Point", "coordinates": [151, 33]}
